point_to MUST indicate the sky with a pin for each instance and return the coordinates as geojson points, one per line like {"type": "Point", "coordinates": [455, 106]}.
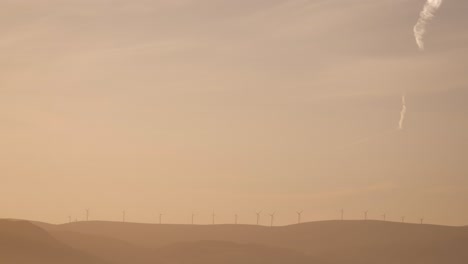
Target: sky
{"type": "Point", "coordinates": [181, 106]}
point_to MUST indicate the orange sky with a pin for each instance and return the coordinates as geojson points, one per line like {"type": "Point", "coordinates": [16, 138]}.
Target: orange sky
{"type": "Point", "coordinates": [274, 105]}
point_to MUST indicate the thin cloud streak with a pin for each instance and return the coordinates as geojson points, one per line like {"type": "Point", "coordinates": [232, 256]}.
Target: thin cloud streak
{"type": "Point", "coordinates": [425, 16]}
{"type": "Point", "coordinates": [402, 113]}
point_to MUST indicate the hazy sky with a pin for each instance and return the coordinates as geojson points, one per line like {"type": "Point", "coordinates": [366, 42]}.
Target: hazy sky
{"type": "Point", "coordinates": [194, 105]}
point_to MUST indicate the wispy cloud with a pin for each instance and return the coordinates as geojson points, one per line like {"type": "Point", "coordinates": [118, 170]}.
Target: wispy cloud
{"type": "Point", "coordinates": [402, 113]}
{"type": "Point", "coordinates": [426, 14]}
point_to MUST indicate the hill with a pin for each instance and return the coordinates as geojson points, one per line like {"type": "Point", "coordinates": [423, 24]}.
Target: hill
{"type": "Point", "coordinates": [328, 242]}
{"type": "Point", "coordinates": [121, 251]}
{"type": "Point", "coordinates": [22, 242]}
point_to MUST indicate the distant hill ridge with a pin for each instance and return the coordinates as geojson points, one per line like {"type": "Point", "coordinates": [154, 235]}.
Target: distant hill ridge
{"type": "Point", "coordinates": [327, 242]}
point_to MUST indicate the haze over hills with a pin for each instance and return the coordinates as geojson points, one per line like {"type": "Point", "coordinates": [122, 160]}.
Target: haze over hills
{"type": "Point", "coordinates": [363, 242]}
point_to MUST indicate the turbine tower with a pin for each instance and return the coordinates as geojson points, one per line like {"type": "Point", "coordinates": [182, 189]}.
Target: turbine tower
{"type": "Point", "coordinates": [422, 221]}
{"type": "Point", "coordinates": [272, 218]}
{"type": "Point", "coordinates": [258, 217]}
{"type": "Point", "coordinates": [402, 219]}
{"type": "Point", "coordinates": [160, 218]}
{"type": "Point", "coordinates": [365, 215]}
{"type": "Point", "coordinates": [384, 216]}
{"type": "Point", "coordinates": [123, 216]}
{"type": "Point", "coordinates": [193, 218]}
{"type": "Point", "coordinates": [299, 216]}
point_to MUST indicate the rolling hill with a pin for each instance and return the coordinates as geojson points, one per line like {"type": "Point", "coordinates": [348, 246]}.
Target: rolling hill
{"type": "Point", "coordinates": [22, 242]}
{"type": "Point", "coordinates": [316, 242]}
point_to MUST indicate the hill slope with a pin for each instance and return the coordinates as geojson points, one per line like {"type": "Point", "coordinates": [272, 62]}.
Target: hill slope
{"type": "Point", "coordinates": [119, 251]}
{"type": "Point", "coordinates": [24, 243]}
{"type": "Point", "coordinates": [330, 241]}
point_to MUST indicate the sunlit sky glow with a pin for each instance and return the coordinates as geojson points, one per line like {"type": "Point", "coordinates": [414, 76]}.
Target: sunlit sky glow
{"type": "Point", "coordinates": [237, 106]}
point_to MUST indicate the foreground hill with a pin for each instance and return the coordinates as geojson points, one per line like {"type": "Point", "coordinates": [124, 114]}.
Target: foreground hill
{"type": "Point", "coordinates": [327, 242]}
{"type": "Point", "coordinates": [22, 242]}
{"type": "Point", "coordinates": [120, 251]}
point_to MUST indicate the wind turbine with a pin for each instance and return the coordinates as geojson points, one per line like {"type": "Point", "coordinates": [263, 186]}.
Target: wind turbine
{"type": "Point", "coordinates": [365, 215]}
{"type": "Point", "coordinates": [272, 218]}
{"type": "Point", "coordinates": [402, 219]}
{"type": "Point", "coordinates": [193, 218]}
{"type": "Point", "coordinates": [384, 217]}
{"type": "Point", "coordinates": [258, 217]}
{"type": "Point", "coordinates": [299, 216]}
{"type": "Point", "coordinates": [123, 216]}
{"type": "Point", "coordinates": [422, 221]}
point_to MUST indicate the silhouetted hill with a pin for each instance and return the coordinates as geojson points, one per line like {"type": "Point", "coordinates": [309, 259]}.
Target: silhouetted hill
{"type": "Point", "coordinates": [121, 252]}
{"type": "Point", "coordinates": [329, 241]}
{"type": "Point", "coordinates": [21, 242]}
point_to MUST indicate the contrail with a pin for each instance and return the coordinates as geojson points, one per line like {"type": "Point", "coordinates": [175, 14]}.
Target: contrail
{"type": "Point", "coordinates": [426, 14]}
{"type": "Point", "coordinates": [402, 113]}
